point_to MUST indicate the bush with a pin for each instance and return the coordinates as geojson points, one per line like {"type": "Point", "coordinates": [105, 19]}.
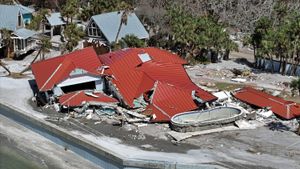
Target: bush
{"type": "Point", "coordinates": [295, 84]}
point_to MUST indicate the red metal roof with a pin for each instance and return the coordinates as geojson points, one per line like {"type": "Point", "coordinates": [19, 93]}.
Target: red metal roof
{"type": "Point", "coordinates": [75, 99]}
{"type": "Point", "coordinates": [168, 100]}
{"type": "Point", "coordinates": [52, 71]}
{"type": "Point", "coordinates": [278, 106]}
{"type": "Point", "coordinates": [129, 56]}
{"type": "Point", "coordinates": [133, 77]}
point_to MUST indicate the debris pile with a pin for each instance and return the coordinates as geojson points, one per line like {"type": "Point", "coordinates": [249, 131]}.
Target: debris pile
{"type": "Point", "coordinates": [135, 87]}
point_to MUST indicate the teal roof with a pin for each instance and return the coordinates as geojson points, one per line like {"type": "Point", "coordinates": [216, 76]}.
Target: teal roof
{"type": "Point", "coordinates": [24, 33]}
{"type": "Point", "coordinates": [55, 19]}
{"type": "Point", "coordinates": [9, 17]}
{"type": "Point", "coordinates": [109, 23]}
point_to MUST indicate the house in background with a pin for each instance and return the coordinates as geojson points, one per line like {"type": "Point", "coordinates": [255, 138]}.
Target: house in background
{"type": "Point", "coordinates": [104, 27]}
{"type": "Point", "coordinates": [11, 19]}
{"type": "Point", "coordinates": [54, 25]}
{"type": "Point", "coordinates": [24, 41]}
{"type": "Point", "coordinates": [27, 13]}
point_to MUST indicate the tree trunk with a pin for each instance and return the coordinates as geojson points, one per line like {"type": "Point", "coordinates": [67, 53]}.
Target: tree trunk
{"type": "Point", "coordinates": [226, 55]}
{"type": "Point", "coordinates": [280, 64]}
{"type": "Point", "coordinates": [8, 71]}
{"type": "Point", "coordinates": [8, 51]}
{"type": "Point", "coordinates": [284, 65]}
{"type": "Point", "coordinates": [118, 33]}
{"type": "Point", "coordinates": [272, 64]}
{"type": "Point", "coordinates": [255, 58]}
{"type": "Point", "coordinates": [28, 67]}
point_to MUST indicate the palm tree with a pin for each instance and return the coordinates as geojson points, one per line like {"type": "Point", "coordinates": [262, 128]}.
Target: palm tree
{"type": "Point", "coordinates": [70, 9]}
{"type": "Point", "coordinates": [73, 35]}
{"type": "Point", "coordinates": [45, 46]}
{"type": "Point", "coordinates": [39, 20]}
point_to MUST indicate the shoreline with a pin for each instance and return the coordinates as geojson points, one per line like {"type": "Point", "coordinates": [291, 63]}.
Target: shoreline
{"type": "Point", "coordinates": [9, 150]}
{"type": "Point", "coordinates": [119, 159]}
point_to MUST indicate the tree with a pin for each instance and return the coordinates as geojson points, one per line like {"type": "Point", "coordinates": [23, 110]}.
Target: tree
{"type": "Point", "coordinates": [7, 41]}
{"type": "Point", "coordinates": [70, 9]}
{"type": "Point", "coordinates": [295, 84]}
{"type": "Point", "coordinates": [100, 6]}
{"type": "Point", "coordinates": [132, 41]}
{"type": "Point", "coordinates": [39, 20]}
{"type": "Point", "coordinates": [45, 46]}
{"type": "Point", "coordinates": [197, 36]}
{"type": "Point", "coordinates": [73, 35]}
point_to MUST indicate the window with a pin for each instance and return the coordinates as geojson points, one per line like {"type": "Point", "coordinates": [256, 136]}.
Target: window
{"type": "Point", "coordinates": [145, 57]}
{"type": "Point", "coordinates": [93, 30]}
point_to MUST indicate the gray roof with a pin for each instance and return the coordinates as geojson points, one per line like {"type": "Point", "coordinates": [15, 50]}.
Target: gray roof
{"type": "Point", "coordinates": [24, 33]}
{"type": "Point", "coordinates": [55, 19]}
{"type": "Point", "coordinates": [109, 25]}
{"type": "Point", "coordinates": [24, 9]}
{"type": "Point", "coordinates": [9, 17]}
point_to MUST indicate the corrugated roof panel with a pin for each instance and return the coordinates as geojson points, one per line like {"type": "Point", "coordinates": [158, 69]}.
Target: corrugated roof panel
{"type": "Point", "coordinates": [24, 33]}
{"type": "Point", "coordinates": [170, 100]}
{"type": "Point", "coordinates": [109, 25]}
{"type": "Point", "coordinates": [9, 17]}
{"type": "Point", "coordinates": [55, 19]}
{"type": "Point", "coordinates": [164, 67]}
{"type": "Point", "coordinates": [25, 9]}
{"type": "Point", "coordinates": [75, 99]}
{"type": "Point", "coordinates": [278, 106]}
{"type": "Point", "coordinates": [157, 55]}
{"type": "Point", "coordinates": [60, 67]}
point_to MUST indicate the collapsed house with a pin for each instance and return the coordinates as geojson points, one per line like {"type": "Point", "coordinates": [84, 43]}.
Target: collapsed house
{"type": "Point", "coordinates": [151, 80]}
{"type": "Point", "coordinates": [61, 76]}
{"type": "Point", "coordinates": [282, 108]}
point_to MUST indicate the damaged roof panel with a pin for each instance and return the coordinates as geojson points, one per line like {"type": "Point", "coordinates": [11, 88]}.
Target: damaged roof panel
{"type": "Point", "coordinates": [168, 100]}
{"type": "Point", "coordinates": [284, 109]}
{"type": "Point", "coordinates": [76, 99]}
{"type": "Point", "coordinates": [133, 77]}
{"type": "Point", "coordinates": [51, 71]}
{"type": "Point", "coordinates": [131, 55]}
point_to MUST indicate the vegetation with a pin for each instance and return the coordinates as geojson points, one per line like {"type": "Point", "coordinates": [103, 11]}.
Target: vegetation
{"type": "Point", "coordinates": [73, 35]}
{"type": "Point", "coordinates": [133, 42]}
{"type": "Point", "coordinates": [197, 36]}
{"type": "Point", "coordinates": [7, 41]}
{"type": "Point", "coordinates": [101, 6]}
{"type": "Point", "coordinates": [295, 85]}
{"type": "Point", "coordinates": [39, 19]}
{"type": "Point", "coordinates": [278, 37]}
{"type": "Point", "coordinates": [70, 9]}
